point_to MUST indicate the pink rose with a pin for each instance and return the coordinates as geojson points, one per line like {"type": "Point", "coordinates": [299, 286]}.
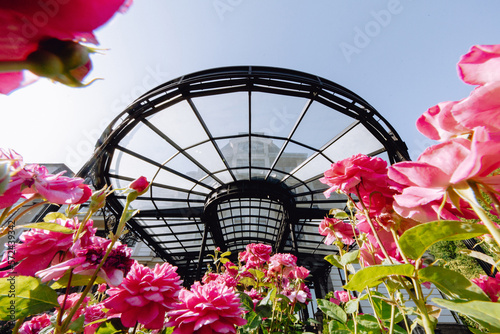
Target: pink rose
{"type": "Point", "coordinates": [438, 123]}
{"type": "Point", "coordinates": [26, 23]}
{"type": "Point", "coordinates": [335, 229]}
{"type": "Point", "coordinates": [140, 185]}
{"type": "Point", "coordinates": [490, 285]}
{"type": "Point", "coordinates": [481, 65]}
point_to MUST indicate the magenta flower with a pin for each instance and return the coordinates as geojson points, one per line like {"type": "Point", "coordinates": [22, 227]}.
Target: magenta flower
{"type": "Point", "coordinates": [22, 29]}
{"type": "Point", "coordinates": [282, 263]}
{"type": "Point", "coordinates": [35, 325]}
{"type": "Point", "coordinates": [145, 295]}
{"type": "Point", "coordinates": [140, 185]}
{"type": "Point", "coordinates": [93, 313]}
{"type": "Point", "coordinates": [35, 179]}
{"type": "Point", "coordinates": [490, 285]}
{"type": "Point", "coordinates": [206, 309]}
{"type": "Point", "coordinates": [40, 247]}
{"type": "Point", "coordinates": [481, 65]}
{"type": "Point", "coordinates": [367, 174]}
{"type": "Point", "coordinates": [256, 254]}
{"type": "Point", "coordinates": [88, 257]}
{"type": "Point", "coordinates": [335, 229]}
{"type": "Point", "coordinates": [71, 301]}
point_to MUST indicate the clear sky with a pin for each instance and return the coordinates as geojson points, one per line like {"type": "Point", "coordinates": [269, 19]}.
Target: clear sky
{"type": "Point", "coordinates": [399, 55]}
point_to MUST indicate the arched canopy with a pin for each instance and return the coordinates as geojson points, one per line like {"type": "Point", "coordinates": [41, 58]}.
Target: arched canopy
{"type": "Point", "coordinates": [236, 155]}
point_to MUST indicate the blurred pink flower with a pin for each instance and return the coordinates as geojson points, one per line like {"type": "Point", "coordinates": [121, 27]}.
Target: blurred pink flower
{"type": "Point", "coordinates": [368, 172]}
{"type": "Point", "coordinates": [342, 296]}
{"type": "Point", "coordinates": [25, 23]}
{"type": "Point", "coordinates": [88, 257]}
{"type": "Point", "coordinates": [205, 309]}
{"type": "Point", "coordinates": [335, 229]}
{"type": "Point", "coordinates": [40, 247]}
{"type": "Point", "coordinates": [480, 65]}
{"type": "Point", "coordinates": [145, 295]}
{"type": "Point", "coordinates": [35, 324]}
{"type": "Point", "coordinates": [490, 285]}
{"type": "Point", "coordinates": [370, 252]}
{"type": "Point", "coordinates": [299, 272]}
{"type": "Point", "coordinates": [255, 295]}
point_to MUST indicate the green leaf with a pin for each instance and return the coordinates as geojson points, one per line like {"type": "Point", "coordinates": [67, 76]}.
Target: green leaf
{"type": "Point", "coordinates": [49, 226]}
{"type": "Point", "coordinates": [350, 257]}
{"type": "Point", "coordinates": [415, 241]}
{"type": "Point", "coordinates": [337, 327]}
{"type": "Point", "coordinates": [112, 326]}
{"type": "Point", "coordinates": [225, 254]}
{"type": "Point", "coordinates": [247, 281]}
{"type": "Point", "coordinates": [22, 296]}
{"type": "Point", "coordinates": [366, 324]}
{"type": "Point", "coordinates": [452, 283]}
{"type": "Point", "coordinates": [53, 216]}
{"type": "Point", "coordinates": [351, 306]}
{"type": "Point", "coordinates": [253, 320]}
{"type": "Point", "coordinates": [332, 310]}
{"type": "Point", "coordinates": [246, 301]}
{"type": "Point", "coordinates": [382, 308]}
{"type": "Point", "coordinates": [223, 260]}
{"type": "Point", "coordinates": [478, 255]}
{"type": "Point", "coordinates": [334, 260]}
{"type": "Point", "coordinates": [268, 300]}
{"type": "Point", "coordinates": [76, 280]}
{"type": "Point", "coordinates": [127, 215]}
{"type": "Point", "coordinates": [373, 274]}
{"type": "Point", "coordinates": [77, 325]}
{"type": "Point", "coordinates": [257, 273]}
{"type": "Point", "coordinates": [485, 313]}
{"type": "Point", "coordinates": [265, 311]}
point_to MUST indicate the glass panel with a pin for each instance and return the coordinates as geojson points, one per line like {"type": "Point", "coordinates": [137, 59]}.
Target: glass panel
{"type": "Point", "coordinates": [275, 115]}
{"type": "Point", "coordinates": [293, 156]}
{"type": "Point", "coordinates": [264, 151]}
{"type": "Point", "coordinates": [314, 167]}
{"type": "Point", "coordinates": [235, 151]}
{"type": "Point", "coordinates": [207, 156]}
{"type": "Point", "coordinates": [320, 124]}
{"type": "Point", "coordinates": [148, 143]}
{"type": "Point", "coordinates": [242, 174]}
{"type": "Point", "coordinates": [225, 114]}
{"type": "Point", "coordinates": [127, 165]}
{"type": "Point", "coordinates": [180, 124]}
{"type": "Point", "coordinates": [357, 140]}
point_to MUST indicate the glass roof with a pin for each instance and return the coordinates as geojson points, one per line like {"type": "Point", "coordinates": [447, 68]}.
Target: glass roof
{"type": "Point", "coordinates": [203, 132]}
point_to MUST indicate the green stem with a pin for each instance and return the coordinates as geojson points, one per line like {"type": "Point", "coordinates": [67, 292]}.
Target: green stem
{"type": "Point", "coordinates": [63, 306]}
{"type": "Point", "coordinates": [18, 324]}
{"type": "Point", "coordinates": [4, 214]}
{"type": "Point", "coordinates": [393, 315]}
{"type": "Point", "coordinates": [494, 231]}
{"type": "Point", "coordinates": [379, 321]}
{"type": "Point", "coordinates": [13, 66]}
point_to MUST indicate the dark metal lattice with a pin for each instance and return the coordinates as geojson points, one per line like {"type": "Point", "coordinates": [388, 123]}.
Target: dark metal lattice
{"type": "Point", "coordinates": [236, 155]}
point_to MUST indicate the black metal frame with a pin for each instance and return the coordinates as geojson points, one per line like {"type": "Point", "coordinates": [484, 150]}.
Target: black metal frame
{"type": "Point", "coordinates": [303, 205]}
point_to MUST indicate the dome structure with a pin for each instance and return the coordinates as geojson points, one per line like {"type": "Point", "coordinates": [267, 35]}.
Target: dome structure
{"type": "Point", "coordinates": [235, 156]}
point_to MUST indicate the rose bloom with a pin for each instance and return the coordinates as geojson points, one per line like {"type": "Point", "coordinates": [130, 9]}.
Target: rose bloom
{"type": "Point", "coordinates": [256, 254]}
{"type": "Point", "coordinates": [35, 179]}
{"type": "Point", "coordinates": [205, 309]}
{"type": "Point", "coordinates": [441, 167]}
{"type": "Point", "coordinates": [26, 23]}
{"type": "Point", "coordinates": [40, 247]}
{"type": "Point", "coordinates": [335, 229]}
{"type": "Point", "coordinates": [87, 257]}
{"type": "Point", "coordinates": [490, 285]}
{"type": "Point", "coordinates": [140, 185]}
{"type": "Point", "coordinates": [92, 313]}
{"type": "Point", "coordinates": [35, 325]}
{"type": "Point", "coordinates": [71, 301]}
{"type": "Point", "coordinates": [282, 263]}
{"type": "Point", "coordinates": [480, 65]}
{"type": "Point", "coordinates": [145, 295]}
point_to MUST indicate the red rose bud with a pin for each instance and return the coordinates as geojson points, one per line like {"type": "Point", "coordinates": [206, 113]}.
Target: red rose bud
{"type": "Point", "coordinates": [140, 185]}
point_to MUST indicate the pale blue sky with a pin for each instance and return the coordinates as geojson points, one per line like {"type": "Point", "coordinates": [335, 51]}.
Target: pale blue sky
{"type": "Point", "coordinates": [400, 56]}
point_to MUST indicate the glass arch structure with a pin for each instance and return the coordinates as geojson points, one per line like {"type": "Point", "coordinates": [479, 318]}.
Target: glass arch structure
{"type": "Point", "coordinates": [235, 155]}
